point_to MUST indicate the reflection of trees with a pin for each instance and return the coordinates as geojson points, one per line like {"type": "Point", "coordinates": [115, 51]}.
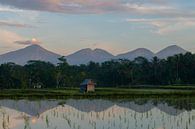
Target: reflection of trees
{"type": "Point", "coordinates": [123, 118]}
{"type": "Point", "coordinates": [47, 121]}
{"type": "Point", "coordinates": [5, 119]}
{"type": "Point", "coordinates": [27, 122]}
{"type": "Point", "coordinates": [5, 123]}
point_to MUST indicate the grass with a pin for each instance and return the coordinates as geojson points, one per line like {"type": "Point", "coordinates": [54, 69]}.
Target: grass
{"type": "Point", "coordinates": [133, 92]}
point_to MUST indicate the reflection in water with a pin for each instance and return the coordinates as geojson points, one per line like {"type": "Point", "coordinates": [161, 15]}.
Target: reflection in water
{"type": "Point", "coordinates": [94, 114]}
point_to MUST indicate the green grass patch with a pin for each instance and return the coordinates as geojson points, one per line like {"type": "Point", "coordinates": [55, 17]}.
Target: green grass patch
{"type": "Point", "coordinates": [99, 92]}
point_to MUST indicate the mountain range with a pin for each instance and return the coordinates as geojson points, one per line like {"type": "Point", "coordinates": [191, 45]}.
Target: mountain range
{"type": "Point", "coordinates": [84, 56]}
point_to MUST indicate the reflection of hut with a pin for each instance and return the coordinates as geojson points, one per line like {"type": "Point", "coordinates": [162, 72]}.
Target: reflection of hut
{"type": "Point", "coordinates": [87, 85]}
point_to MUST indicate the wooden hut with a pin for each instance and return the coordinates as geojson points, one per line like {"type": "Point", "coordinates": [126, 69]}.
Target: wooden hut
{"type": "Point", "coordinates": [87, 85]}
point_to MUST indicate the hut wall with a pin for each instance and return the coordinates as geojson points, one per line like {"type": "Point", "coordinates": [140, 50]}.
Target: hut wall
{"type": "Point", "coordinates": [90, 87]}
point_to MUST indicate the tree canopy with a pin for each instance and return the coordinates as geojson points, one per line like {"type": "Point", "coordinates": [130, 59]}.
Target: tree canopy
{"type": "Point", "coordinates": [178, 69]}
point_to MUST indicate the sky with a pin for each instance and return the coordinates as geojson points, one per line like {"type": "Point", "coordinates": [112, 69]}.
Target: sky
{"type": "Point", "coordinates": [118, 26]}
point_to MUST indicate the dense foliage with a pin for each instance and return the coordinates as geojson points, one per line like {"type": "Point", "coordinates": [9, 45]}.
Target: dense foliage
{"type": "Point", "coordinates": [178, 69]}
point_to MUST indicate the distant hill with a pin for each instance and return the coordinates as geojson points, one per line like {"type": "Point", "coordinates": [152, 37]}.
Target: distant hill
{"type": "Point", "coordinates": [143, 52]}
{"type": "Point", "coordinates": [33, 52]}
{"type": "Point", "coordinates": [170, 51]}
{"type": "Point", "coordinates": [84, 56]}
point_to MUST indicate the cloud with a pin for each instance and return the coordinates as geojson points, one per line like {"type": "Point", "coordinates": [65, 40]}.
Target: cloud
{"type": "Point", "coordinates": [151, 7]}
{"type": "Point", "coordinates": [28, 42]}
{"type": "Point", "coordinates": [13, 24]}
{"type": "Point", "coordinates": [165, 10]}
{"type": "Point", "coordinates": [148, 8]}
{"type": "Point", "coordinates": [20, 13]}
{"type": "Point", "coordinates": [166, 25]}
{"type": "Point", "coordinates": [8, 37]}
{"type": "Point", "coordinates": [8, 9]}
{"type": "Point", "coordinates": [64, 6]}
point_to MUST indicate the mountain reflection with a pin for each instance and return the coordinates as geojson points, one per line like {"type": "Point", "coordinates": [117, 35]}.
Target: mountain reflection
{"type": "Point", "coordinates": [97, 114]}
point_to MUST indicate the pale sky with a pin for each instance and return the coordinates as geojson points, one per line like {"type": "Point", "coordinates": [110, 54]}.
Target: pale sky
{"type": "Point", "coordinates": [65, 26]}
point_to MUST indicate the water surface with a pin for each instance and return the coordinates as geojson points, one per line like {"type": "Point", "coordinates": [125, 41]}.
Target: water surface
{"type": "Point", "coordinates": [97, 114]}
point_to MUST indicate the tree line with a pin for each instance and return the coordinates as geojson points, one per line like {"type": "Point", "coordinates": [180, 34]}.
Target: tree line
{"type": "Point", "coordinates": [175, 70]}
